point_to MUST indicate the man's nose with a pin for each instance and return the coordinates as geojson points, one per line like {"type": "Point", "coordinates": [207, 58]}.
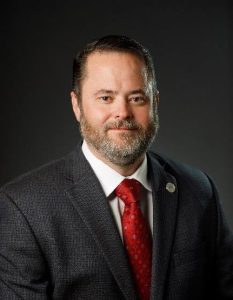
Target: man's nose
{"type": "Point", "coordinates": [122, 109]}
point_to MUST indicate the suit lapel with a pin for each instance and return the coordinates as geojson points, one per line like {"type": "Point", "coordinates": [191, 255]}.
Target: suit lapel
{"type": "Point", "coordinates": [88, 198]}
{"type": "Point", "coordinates": [164, 210]}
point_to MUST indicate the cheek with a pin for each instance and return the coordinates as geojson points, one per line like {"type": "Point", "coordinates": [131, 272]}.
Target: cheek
{"type": "Point", "coordinates": [96, 115]}
{"type": "Point", "coordinates": [143, 116]}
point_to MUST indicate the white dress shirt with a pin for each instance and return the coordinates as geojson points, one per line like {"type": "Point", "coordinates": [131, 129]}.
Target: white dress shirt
{"type": "Point", "coordinates": [110, 179]}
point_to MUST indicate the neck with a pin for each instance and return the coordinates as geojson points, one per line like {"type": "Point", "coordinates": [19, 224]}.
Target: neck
{"type": "Point", "coordinates": [124, 170]}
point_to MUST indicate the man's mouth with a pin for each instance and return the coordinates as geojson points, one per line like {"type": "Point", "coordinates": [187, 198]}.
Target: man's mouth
{"type": "Point", "coordinates": [123, 128]}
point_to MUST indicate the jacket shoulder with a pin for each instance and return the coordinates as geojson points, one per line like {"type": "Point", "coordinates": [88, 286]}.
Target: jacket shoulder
{"type": "Point", "coordinates": [48, 176]}
{"type": "Point", "coordinates": [186, 176]}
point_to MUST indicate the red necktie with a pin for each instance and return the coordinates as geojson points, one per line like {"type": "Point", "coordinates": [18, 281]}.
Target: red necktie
{"type": "Point", "coordinates": [137, 236]}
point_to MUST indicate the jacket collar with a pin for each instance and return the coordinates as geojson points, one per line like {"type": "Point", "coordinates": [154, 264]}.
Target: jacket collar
{"type": "Point", "coordinates": [165, 197]}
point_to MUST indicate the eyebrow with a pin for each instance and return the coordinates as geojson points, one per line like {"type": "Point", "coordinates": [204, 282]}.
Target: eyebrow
{"type": "Point", "coordinates": [103, 91]}
{"type": "Point", "coordinates": [139, 91]}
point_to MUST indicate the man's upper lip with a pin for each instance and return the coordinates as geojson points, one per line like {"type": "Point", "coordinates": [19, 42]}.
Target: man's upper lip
{"type": "Point", "coordinates": [122, 128]}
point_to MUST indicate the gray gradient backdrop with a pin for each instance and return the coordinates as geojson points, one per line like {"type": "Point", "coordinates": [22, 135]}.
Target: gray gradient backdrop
{"type": "Point", "coordinates": [191, 42]}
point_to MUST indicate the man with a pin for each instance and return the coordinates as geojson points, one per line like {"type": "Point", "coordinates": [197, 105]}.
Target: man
{"type": "Point", "coordinates": [113, 220]}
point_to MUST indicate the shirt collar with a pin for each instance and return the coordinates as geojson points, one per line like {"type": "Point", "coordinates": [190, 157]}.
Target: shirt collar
{"type": "Point", "coordinates": [109, 178]}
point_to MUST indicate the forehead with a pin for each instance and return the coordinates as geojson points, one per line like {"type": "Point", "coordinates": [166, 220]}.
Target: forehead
{"type": "Point", "coordinates": [102, 60]}
{"type": "Point", "coordinates": [116, 71]}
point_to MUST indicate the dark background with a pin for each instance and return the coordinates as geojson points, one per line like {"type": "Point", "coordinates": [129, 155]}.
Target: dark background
{"type": "Point", "coordinates": [191, 42]}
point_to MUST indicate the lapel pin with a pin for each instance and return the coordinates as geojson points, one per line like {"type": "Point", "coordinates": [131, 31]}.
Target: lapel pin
{"type": "Point", "coordinates": [170, 187]}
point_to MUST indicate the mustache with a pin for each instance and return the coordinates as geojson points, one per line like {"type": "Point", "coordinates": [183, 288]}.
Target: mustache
{"type": "Point", "coordinates": [128, 124]}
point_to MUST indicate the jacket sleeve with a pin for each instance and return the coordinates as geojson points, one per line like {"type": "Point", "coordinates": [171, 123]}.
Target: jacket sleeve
{"type": "Point", "coordinates": [224, 254]}
{"type": "Point", "coordinates": [22, 267]}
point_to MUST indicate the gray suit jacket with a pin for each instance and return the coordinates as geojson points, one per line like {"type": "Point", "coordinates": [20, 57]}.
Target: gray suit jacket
{"type": "Point", "coordinates": [58, 239]}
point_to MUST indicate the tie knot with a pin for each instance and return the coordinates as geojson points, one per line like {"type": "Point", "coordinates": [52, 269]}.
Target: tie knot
{"type": "Point", "coordinates": [128, 190]}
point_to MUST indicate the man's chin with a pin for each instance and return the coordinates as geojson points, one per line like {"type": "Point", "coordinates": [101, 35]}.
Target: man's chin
{"type": "Point", "coordinates": [122, 135]}
{"type": "Point", "coordinates": [122, 140]}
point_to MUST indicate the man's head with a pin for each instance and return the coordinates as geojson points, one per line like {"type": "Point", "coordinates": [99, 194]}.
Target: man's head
{"type": "Point", "coordinates": [114, 98]}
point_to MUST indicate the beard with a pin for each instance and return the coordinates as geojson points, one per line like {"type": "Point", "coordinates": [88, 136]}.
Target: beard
{"type": "Point", "coordinates": [128, 147]}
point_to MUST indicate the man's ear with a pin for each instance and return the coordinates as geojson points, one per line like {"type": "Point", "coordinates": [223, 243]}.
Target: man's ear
{"type": "Point", "coordinates": [75, 105]}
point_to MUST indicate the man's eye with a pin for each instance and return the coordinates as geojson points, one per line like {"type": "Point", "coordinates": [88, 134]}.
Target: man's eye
{"type": "Point", "coordinates": [138, 99]}
{"type": "Point", "coordinates": [105, 98]}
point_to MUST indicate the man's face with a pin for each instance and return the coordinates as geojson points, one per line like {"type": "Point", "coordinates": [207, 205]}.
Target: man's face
{"type": "Point", "coordinates": [115, 110]}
